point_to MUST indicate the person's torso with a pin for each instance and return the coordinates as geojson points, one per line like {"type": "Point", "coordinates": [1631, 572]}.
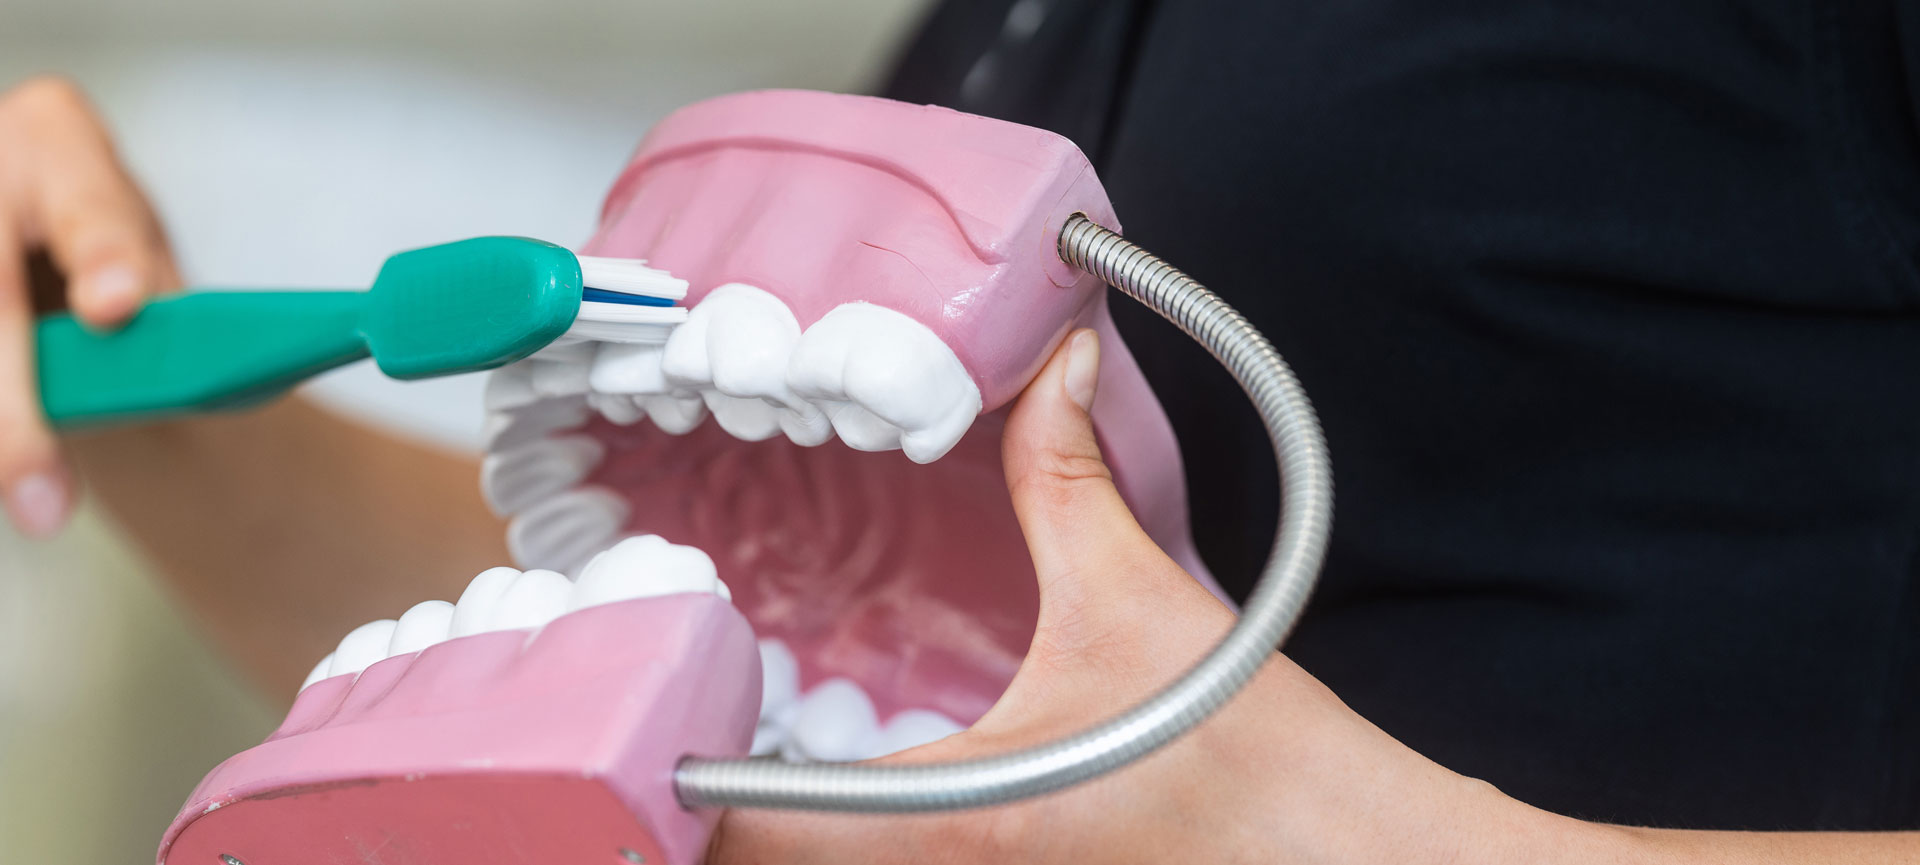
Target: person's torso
{"type": "Point", "coordinates": [1612, 314]}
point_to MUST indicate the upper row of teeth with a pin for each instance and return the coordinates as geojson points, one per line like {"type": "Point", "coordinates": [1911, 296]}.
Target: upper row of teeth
{"type": "Point", "coordinates": [876, 377]}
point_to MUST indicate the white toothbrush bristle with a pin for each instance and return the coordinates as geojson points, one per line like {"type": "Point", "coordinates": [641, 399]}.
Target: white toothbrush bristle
{"type": "Point", "coordinates": [630, 276]}
{"type": "Point", "coordinates": [618, 322]}
{"type": "Point", "coordinates": [627, 323]}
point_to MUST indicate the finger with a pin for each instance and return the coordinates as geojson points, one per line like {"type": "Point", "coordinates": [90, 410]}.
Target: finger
{"type": "Point", "coordinates": [89, 213]}
{"type": "Point", "coordinates": [1062, 489]}
{"type": "Point", "coordinates": [1097, 569]}
{"type": "Point", "coordinates": [34, 480]}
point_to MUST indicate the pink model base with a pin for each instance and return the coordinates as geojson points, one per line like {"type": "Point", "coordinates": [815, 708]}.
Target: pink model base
{"type": "Point", "coordinates": [912, 580]}
{"type": "Point", "coordinates": [510, 747]}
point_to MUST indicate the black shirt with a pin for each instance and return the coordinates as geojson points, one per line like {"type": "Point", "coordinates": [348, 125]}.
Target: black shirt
{"type": "Point", "coordinates": [1612, 312]}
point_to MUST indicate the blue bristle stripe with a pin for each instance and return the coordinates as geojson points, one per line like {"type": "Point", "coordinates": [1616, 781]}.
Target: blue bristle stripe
{"type": "Point", "coordinates": [601, 295]}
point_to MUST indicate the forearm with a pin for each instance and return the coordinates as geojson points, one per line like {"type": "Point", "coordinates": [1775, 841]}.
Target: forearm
{"type": "Point", "coordinates": [1555, 839]}
{"type": "Point", "coordinates": [1674, 847]}
{"type": "Point", "coordinates": [282, 528]}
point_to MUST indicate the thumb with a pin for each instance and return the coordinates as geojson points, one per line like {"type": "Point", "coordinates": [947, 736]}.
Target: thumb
{"type": "Point", "coordinates": [1062, 490]}
{"type": "Point", "coordinates": [1099, 573]}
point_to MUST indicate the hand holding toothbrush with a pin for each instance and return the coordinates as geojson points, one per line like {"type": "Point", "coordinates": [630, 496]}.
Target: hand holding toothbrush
{"type": "Point", "coordinates": [64, 193]}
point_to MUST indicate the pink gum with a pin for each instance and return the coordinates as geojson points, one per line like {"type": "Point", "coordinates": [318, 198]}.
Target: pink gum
{"type": "Point", "coordinates": [475, 738]}
{"type": "Point", "coordinates": [824, 199]}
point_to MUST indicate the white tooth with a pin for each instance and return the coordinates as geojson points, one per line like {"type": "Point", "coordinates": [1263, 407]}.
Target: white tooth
{"type": "Point", "coordinates": [513, 480]}
{"type": "Point", "coordinates": [734, 349]}
{"type": "Point", "coordinates": [779, 678]}
{"type": "Point", "coordinates": [617, 407]}
{"type": "Point", "coordinates": [915, 727]}
{"type": "Point", "coordinates": [766, 740]}
{"type": "Point", "coordinates": [674, 414]}
{"type": "Point", "coordinates": [807, 427]}
{"type": "Point", "coordinates": [531, 422]}
{"type": "Point", "coordinates": [861, 429]}
{"type": "Point", "coordinates": [884, 376]}
{"type": "Point", "coordinates": [747, 419]}
{"type": "Point", "coordinates": [322, 670]}
{"type": "Point", "coordinates": [563, 531]}
{"type": "Point", "coordinates": [785, 717]}
{"type": "Point", "coordinates": [629, 368]}
{"type": "Point", "coordinates": [632, 372]}
{"type": "Point", "coordinates": [561, 369]}
{"type": "Point", "coordinates": [510, 387]}
{"type": "Point", "coordinates": [643, 567]}
{"type": "Point", "coordinates": [361, 647]}
{"type": "Point", "coordinates": [475, 609]}
{"type": "Point", "coordinates": [629, 276]}
{"type": "Point", "coordinates": [684, 360]}
{"type": "Point", "coordinates": [770, 735]}
{"type": "Point", "coordinates": [429, 622]}
{"type": "Point", "coordinates": [536, 598]}
{"type": "Point", "coordinates": [835, 724]}
{"type": "Point", "coordinates": [560, 378]}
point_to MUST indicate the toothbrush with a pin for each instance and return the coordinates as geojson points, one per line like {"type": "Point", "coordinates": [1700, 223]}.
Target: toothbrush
{"type": "Point", "coordinates": [441, 310]}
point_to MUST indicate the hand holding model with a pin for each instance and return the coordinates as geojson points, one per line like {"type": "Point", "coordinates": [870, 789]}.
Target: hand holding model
{"type": "Point", "coordinates": [1285, 773]}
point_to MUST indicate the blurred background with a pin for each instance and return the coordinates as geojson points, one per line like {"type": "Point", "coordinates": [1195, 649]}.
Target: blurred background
{"type": "Point", "coordinates": [299, 144]}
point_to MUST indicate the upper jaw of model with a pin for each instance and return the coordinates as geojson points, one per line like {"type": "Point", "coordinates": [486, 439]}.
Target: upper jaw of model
{"type": "Point", "coordinates": [859, 270]}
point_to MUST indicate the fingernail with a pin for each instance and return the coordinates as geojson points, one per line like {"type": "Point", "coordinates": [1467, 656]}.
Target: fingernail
{"type": "Point", "coordinates": [1083, 368]}
{"type": "Point", "coordinates": [38, 503]}
{"type": "Point", "coordinates": [113, 289]}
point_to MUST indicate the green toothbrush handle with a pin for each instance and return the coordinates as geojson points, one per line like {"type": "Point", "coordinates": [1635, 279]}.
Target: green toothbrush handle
{"type": "Point", "coordinates": [458, 307]}
{"type": "Point", "coordinates": [195, 352]}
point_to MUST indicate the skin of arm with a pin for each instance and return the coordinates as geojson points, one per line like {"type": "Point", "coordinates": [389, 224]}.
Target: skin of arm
{"type": "Point", "coordinates": [284, 527]}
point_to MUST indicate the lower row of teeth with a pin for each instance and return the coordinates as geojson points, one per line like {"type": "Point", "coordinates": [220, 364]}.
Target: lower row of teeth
{"type": "Point", "coordinates": [834, 721]}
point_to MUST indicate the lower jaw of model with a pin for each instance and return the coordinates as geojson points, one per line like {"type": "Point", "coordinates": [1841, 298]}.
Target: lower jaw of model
{"type": "Point", "coordinates": [780, 529]}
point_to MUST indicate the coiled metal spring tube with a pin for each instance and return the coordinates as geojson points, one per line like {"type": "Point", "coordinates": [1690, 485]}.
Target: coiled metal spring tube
{"type": "Point", "coordinates": [1306, 518]}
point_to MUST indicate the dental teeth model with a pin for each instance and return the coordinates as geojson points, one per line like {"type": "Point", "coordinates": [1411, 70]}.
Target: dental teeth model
{"type": "Point", "coordinates": [861, 277]}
